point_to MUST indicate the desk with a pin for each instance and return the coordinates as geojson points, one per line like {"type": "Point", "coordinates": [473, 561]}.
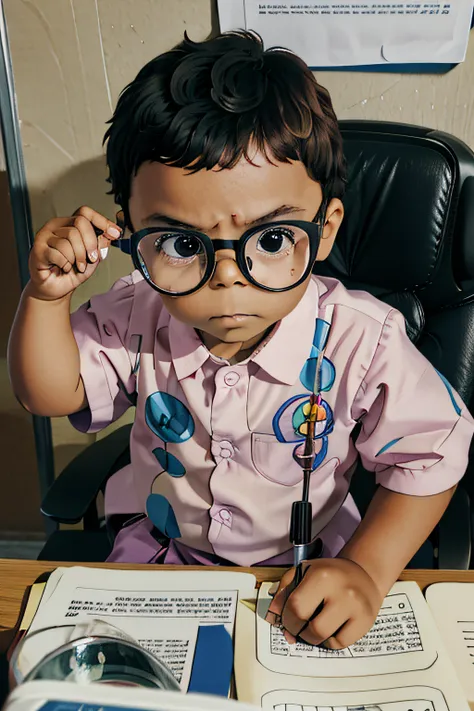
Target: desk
{"type": "Point", "coordinates": [17, 575]}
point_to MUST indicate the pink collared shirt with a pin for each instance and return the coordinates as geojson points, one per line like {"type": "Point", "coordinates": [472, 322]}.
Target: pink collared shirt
{"type": "Point", "coordinates": [213, 445]}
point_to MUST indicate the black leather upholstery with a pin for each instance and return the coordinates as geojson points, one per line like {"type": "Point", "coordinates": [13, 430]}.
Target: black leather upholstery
{"type": "Point", "coordinates": [408, 238]}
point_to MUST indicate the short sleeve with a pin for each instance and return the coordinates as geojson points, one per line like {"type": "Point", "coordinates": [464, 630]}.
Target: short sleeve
{"type": "Point", "coordinates": [416, 430]}
{"type": "Point", "coordinates": [101, 328]}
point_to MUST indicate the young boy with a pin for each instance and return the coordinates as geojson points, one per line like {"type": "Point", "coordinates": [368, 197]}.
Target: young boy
{"type": "Point", "coordinates": [227, 162]}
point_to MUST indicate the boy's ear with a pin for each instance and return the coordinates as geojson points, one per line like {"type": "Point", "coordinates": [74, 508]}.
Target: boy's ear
{"type": "Point", "coordinates": [120, 219]}
{"type": "Point", "coordinates": [334, 217]}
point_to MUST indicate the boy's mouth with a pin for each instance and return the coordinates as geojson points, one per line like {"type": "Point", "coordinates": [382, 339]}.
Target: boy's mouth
{"type": "Point", "coordinates": [234, 318]}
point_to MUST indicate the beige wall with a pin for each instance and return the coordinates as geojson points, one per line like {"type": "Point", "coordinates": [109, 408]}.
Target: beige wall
{"type": "Point", "coordinates": [19, 493]}
{"type": "Point", "coordinates": [71, 59]}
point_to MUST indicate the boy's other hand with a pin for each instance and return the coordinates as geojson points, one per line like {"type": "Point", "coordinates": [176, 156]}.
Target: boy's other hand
{"type": "Point", "coordinates": [67, 251]}
{"type": "Point", "coordinates": [335, 604]}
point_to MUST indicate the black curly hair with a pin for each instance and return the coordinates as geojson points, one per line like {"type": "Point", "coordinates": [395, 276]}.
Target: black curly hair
{"type": "Point", "coordinates": [203, 104]}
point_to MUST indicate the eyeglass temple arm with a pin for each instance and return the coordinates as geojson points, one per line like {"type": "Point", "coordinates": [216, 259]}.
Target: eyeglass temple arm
{"type": "Point", "coordinates": [124, 244]}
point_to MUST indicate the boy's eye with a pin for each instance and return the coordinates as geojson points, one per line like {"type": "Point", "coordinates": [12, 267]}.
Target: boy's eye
{"type": "Point", "coordinates": [275, 240]}
{"type": "Point", "coordinates": [179, 246]}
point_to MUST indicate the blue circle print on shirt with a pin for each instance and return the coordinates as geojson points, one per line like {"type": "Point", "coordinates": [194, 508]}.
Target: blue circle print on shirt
{"type": "Point", "coordinates": [168, 418]}
{"type": "Point", "coordinates": [162, 516]}
{"type": "Point", "coordinates": [169, 462]}
{"type": "Point", "coordinates": [308, 372]}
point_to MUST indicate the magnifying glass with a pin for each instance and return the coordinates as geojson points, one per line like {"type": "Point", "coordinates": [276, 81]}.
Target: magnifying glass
{"type": "Point", "coordinates": [91, 652]}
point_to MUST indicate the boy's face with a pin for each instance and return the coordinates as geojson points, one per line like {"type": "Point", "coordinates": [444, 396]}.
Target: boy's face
{"type": "Point", "coordinates": [230, 313]}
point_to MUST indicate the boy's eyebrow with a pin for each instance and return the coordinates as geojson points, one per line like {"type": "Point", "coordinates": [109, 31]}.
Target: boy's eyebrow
{"type": "Point", "coordinates": [171, 222]}
{"type": "Point", "coordinates": [279, 212]}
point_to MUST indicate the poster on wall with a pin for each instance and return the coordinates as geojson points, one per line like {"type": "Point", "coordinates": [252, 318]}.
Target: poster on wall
{"type": "Point", "coordinates": [350, 34]}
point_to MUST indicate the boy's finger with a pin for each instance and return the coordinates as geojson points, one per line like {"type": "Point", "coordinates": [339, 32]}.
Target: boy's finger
{"type": "Point", "coordinates": [324, 625]}
{"type": "Point", "coordinates": [291, 639]}
{"type": "Point", "coordinates": [72, 244]}
{"type": "Point", "coordinates": [302, 604]}
{"type": "Point", "coordinates": [273, 589]}
{"type": "Point", "coordinates": [112, 230]}
{"type": "Point", "coordinates": [59, 244]}
{"type": "Point", "coordinates": [351, 632]}
{"type": "Point", "coordinates": [88, 238]}
{"type": "Point", "coordinates": [279, 598]}
{"type": "Point", "coordinates": [104, 243]}
{"type": "Point", "coordinates": [333, 643]}
{"type": "Point", "coordinates": [54, 258]}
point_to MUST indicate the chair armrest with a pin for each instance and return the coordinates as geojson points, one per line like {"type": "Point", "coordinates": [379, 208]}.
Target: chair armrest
{"type": "Point", "coordinates": [76, 488]}
{"type": "Point", "coordinates": [454, 533]}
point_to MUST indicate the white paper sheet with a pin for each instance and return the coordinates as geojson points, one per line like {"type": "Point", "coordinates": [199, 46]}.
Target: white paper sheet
{"type": "Point", "coordinates": [452, 605]}
{"type": "Point", "coordinates": [355, 33]}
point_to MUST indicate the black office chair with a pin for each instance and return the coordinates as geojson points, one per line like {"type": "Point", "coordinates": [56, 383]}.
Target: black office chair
{"type": "Point", "coordinates": [407, 238]}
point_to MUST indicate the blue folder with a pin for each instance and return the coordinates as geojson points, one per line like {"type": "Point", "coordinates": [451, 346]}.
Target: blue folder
{"type": "Point", "coordinates": [213, 661]}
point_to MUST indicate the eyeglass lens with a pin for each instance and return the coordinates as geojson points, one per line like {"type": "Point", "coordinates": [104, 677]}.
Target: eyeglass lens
{"type": "Point", "coordinates": [176, 262]}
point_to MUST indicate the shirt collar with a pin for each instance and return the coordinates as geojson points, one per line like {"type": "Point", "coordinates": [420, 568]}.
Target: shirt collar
{"type": "Point", "coordinates": [188, 352]}
{"type": "Point", "coordinates": [285, 352]}
{"type": "Point", "coordinates": [281, 355]}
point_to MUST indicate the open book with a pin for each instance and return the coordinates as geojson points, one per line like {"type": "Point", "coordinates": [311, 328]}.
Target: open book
{"type": "Point", "coordinates": [195, 622]}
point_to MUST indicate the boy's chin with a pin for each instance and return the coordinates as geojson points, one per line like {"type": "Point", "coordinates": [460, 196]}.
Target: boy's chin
{"type": "Point", "coordinates": [243, 336]}
{"type": "Point", "coordinates": [239, 334]}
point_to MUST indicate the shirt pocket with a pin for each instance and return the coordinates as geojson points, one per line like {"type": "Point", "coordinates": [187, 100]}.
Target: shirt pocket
{"type": "Point", "coordinates": [274, 459]}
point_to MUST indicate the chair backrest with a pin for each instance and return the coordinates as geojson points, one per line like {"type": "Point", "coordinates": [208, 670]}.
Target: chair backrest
{"type": "Point", "coordinates": [408, 237]}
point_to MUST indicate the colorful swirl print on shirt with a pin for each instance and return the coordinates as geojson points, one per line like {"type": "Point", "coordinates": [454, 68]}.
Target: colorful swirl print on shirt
{"type": "Point", "coordinates": [290, 422]}
{"type": "Point", "coordinates": [170, 420]}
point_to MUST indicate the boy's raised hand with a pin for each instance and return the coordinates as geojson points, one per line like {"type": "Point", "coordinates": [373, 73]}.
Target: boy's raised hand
{"type": "Point", "coordinates": [67, 251]}
{"type": "Point", "coordinates": [335, 604]}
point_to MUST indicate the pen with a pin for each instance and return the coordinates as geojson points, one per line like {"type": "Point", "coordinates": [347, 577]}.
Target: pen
{"type": "Point", "coordinates": [302, 511]}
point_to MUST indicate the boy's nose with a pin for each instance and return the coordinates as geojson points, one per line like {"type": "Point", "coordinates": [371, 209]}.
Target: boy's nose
{"type": "Point", "coordinates": [227, 272]}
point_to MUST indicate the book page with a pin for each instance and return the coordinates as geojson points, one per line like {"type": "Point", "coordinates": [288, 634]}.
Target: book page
{"type": "Point", "coordinates": [407, 699]}
{"type": "Point", "coordinates": [161, 610]}
{"type": "Point", "coordinates": [452, 606]}
{"type": "Point", "coordinates": [50, 586]}
{"type": "Point", "coordinates": [33, 602]}
{"type": "Point", "coordinates": [402, 653]}
{"type": "Point", "coordinates": [399, 641]}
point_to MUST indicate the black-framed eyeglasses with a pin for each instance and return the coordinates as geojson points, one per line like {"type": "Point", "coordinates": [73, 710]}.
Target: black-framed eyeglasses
{"type": "Point", "coordinates": [276, 256]}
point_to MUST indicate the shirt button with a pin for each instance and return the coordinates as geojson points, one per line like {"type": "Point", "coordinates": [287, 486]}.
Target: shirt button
{"type": "Point", "coordinates": [225, 515]}
{"type": "Point", "coordinates": [231, 378]}
{"type": "Point", "coordinates": [226, 450]}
